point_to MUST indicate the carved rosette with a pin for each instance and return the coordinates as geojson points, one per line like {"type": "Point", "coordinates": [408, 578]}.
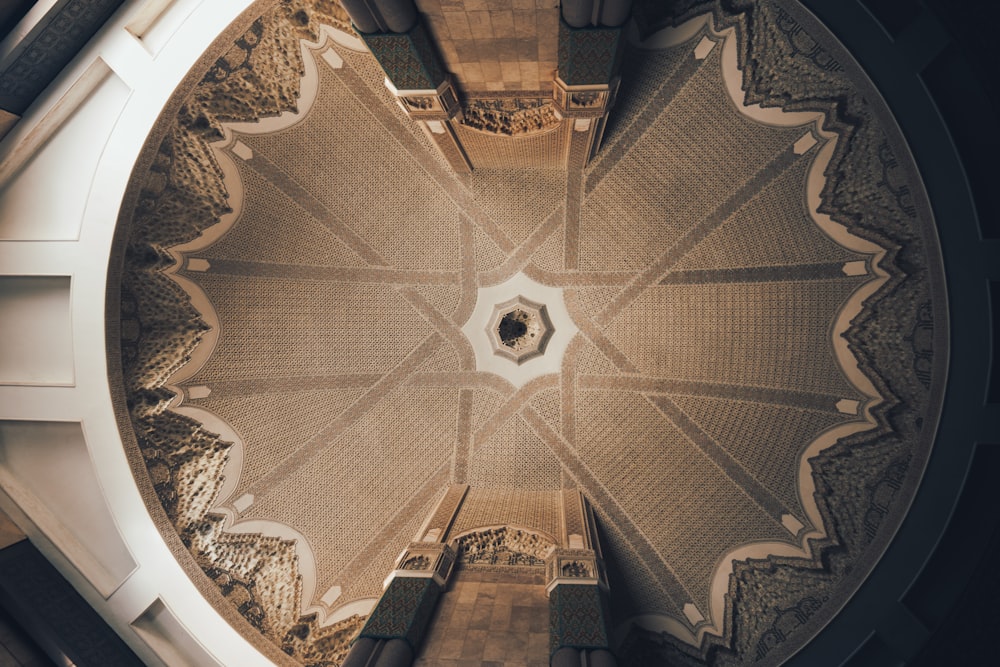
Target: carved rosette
{"type": "Point", "coordinates": [519, 329]}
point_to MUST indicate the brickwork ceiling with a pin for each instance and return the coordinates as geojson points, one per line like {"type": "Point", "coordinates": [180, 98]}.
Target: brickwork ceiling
{"type": "Point", "coordinates": [494, 47]}
{"type": "Point", "coordinates": [748, 400]}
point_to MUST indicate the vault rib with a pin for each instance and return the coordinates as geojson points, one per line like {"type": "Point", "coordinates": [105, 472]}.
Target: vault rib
{"type": "Point", "coordinates": [444, 326]}
{"type": "Point", "coordinates": [521, 255]}
{"type": "Point", "coordinates": [441, 175]}
{"type": "Point", "coordinates": [463, 444]}
{"type": "Point", "coordinates": [257, 386]}
{"type": "Point", "coordinates": [511, 407]}
{"type": "Point", "coordinates": [567, 393]}
{"type": "Point", "coordinates": [646, 385]}
{"type": "Point", "coordinates": [651, 559]}
{"type": "Point", "coordinates": [760, 274]}
{"type": "Point", "coordinates": [467, 247]}
{"type": "Point", "coordinates": [593, 333]}
{"type": "Point", "coordinates": [578, 155]}
{"type": "Point", "coordinates": [645, 119]}
{"type": "Point", "coordinates": [729, 466]}
{"type": "Point", "coordinates": [315, 445]}
{"type": "Point", "coordinates": [578, 278]}
{"type": "Point", "coordinates": [376, 544]}
{"type": "Point", "coordinates": [463, 380]}
{"type": "Point", "coordinates": [334, 274]}
{"type": "Point", "coordinates": [287, 184]}
{"type": "Point", "coordinates": [696, 234]}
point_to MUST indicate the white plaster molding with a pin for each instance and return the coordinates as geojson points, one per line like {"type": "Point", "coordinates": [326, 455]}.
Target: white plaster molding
{"type": "Point", "coordinates": [519, 285]}
{"type": "Point", "coordinates": [98, 195]}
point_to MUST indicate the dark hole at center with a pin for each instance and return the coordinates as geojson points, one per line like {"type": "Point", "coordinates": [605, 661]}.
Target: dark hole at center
{"type": "Point", "coordinates": [511, 329]}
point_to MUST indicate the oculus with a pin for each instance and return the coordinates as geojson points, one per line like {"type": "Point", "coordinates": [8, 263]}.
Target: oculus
{"type": "Point", "coordinates": [520, 329]}
{"type": "Point", "coordinates": [538, 348]}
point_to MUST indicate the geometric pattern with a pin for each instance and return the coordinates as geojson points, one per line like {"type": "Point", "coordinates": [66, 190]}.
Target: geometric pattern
{"type": "Point", "coordinates": [48, 47]}
{"type": "Point", "coordinates": [706, 375]}
{"type": "Point", "coordinates": [578, 617]}
{"type": "Point", "coordinates": [656, 346]}
{"type": "Point", "coordinates": [408, 58]}
{"type": "Point", "coordinates": [588, 56]}
{"type": "Point", "coordinates": [403, 611]}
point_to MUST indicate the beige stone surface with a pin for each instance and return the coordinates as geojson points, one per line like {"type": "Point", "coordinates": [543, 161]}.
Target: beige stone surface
{"type": "Point", "coordinates": [711, 302]}
{"type": "Point", "coordinates": [357, 343]}
{"type": "Point", "coordinates": [496, 46]}
{"type": "Point", "coordinates": [488, 623]}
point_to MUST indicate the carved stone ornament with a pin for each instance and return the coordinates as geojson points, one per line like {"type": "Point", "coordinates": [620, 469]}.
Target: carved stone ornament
{"type": "Point", "coordinates": [544, 314]}
{"type": "Point", "coordinates": [520, 329]}
{"type": "Point", "coordinates": [503, 546]}
{"type": "Point", "coordinates": [510, 116]}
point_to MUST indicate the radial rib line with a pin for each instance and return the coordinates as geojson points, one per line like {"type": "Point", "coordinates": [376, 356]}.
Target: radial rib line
{"type": "Point", "coordinates": [729, 466]}
{"type": "Point", "coordinates": [647, 385]}
{"type": "Point", "coordinates": [282, 385]}
{"type": "Point", "coordinates": [315, 445]}
{"type": "Point", "coordinates": [758, 274]}
{"type": "Point", "coordinates": [315, 208]}
{"type": "Point", "coordinates": [333, 274]}
{"type": "Point", "coordinates": [696, 234]}
{"type": "Point", "coordinates": [596, 493]}
{"type": "Point", "coordinates": [442, 176]}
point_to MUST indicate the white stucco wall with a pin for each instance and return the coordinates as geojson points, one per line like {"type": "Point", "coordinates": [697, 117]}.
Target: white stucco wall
{"type": "Point", "coordinates": [63, 172]}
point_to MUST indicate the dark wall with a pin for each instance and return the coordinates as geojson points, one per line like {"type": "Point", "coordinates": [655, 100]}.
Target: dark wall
{"type": "Point", "coordinates": [931, 600]}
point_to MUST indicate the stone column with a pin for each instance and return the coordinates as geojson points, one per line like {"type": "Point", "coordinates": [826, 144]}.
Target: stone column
{"type": "Point", "coordinates": [414, 72]}
{"type": "Point", "coordinates": [578, 592]}
{"type": "Point", "coordinates": [590, 46]}
{"type": "Point", "coordinates": [392, 635]}
{"type": "Point", "coordinates": [578, 610]}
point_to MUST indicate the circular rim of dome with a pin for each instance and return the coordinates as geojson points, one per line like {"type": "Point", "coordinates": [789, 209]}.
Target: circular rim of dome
{"type": "Point", "coordinates": [937, 304]}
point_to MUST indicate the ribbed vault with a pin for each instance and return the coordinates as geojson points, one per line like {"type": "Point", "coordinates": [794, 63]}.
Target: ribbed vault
{"type": "Point", "coordinates": [745, 403]}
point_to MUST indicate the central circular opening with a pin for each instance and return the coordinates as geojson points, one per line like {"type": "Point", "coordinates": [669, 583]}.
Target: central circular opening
{"type": "Point", "coordinates": [512, 327]}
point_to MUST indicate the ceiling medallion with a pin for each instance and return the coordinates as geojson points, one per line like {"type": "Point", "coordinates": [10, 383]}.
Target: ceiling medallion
{"type": "Point", "coordinates": [523, 322]}
{"type": "Point", "coordinates": [519, 329]}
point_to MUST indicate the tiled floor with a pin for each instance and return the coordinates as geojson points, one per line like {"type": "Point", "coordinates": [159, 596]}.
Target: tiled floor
{"type": "Point", "coordinates": [490, 624]}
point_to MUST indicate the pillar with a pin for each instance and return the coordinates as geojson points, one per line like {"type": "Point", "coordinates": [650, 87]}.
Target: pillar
{"type": "Point", "coordinates": [578, 592]}
{"type": "Point", "coordinates": [590, 46]}
{"type": "Point", "coordinates": [413, 69]}
{"type": "Point", "coordinates": [392, 635]}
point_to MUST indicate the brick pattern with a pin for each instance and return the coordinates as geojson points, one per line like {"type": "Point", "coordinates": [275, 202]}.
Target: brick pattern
{"type": "Point", "coordinates": [498, 46]}
{"type": "Point", "coordinates": [703, 291]}
{"type": "Point", "coordinates": [489, 619]}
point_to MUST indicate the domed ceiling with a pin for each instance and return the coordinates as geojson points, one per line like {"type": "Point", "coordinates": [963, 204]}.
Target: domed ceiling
{"type": "Point", "coordinates": [742, 285]}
